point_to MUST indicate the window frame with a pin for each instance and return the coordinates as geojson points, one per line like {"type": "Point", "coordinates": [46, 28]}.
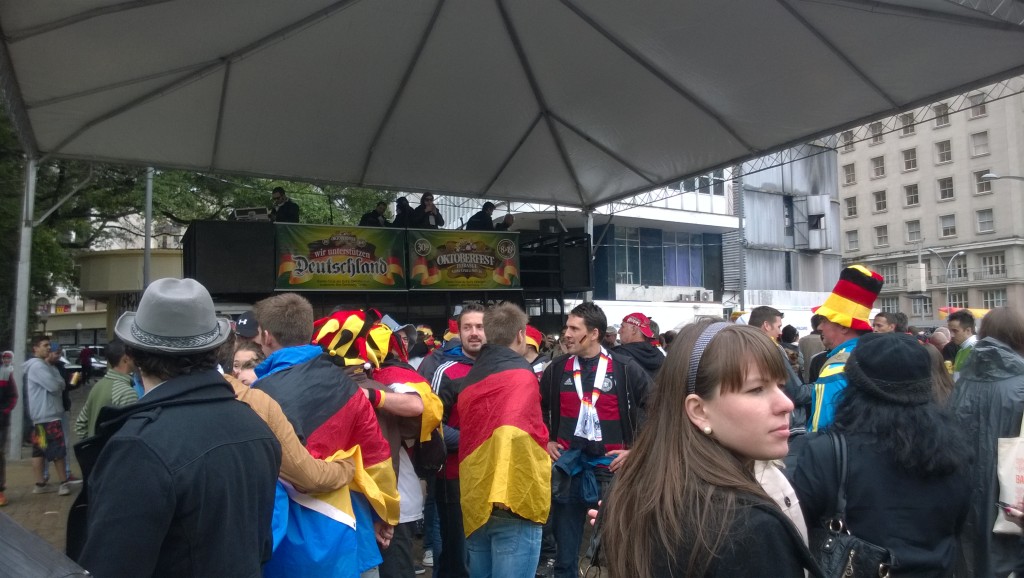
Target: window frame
{"type": "Point", "coordinates": [943, 229]}
{"type": "Point", "coordinates": [881, 236]}
{"type": "Point", "coordinates": [880, 201]}
{"type": "Point", "coordinates": [942, 189]}
{"type": "Point", "coordinates": [878, 168]}
{"type": "Point", "coordinates": [943, 152]}
{"type": "Point", "coordinates": [991, 221]}
{"type": "Point", "coordinates": [906, 195]}
{"type": "Point", "coordinates": [907, 227]}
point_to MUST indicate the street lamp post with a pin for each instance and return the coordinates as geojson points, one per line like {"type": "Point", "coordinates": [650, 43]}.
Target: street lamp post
{"type": "Point", "coordinates": [948, 265]}
{"type": "Point", "coordinates": [995, 177]}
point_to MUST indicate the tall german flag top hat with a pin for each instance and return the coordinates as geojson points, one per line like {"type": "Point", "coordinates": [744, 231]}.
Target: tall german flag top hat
{"type": "Point", "coordinates": [850, 303]}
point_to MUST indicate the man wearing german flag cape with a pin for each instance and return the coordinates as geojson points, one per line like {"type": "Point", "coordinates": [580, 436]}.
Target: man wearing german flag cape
{"type": "Point", "coordinates": [329, 534]}
{"type": "Point", "coordinates": [847, 313]}
{"type": "Point", "coordinates": [504, 467]}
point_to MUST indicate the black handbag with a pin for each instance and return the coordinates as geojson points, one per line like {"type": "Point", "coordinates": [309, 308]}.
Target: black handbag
{"type": "Point", "coordinates": [840, 554]}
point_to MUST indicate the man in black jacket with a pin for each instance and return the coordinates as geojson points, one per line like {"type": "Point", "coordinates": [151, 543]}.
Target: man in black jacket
{"type": "Point", "coordinates": [285, 210]}
{"type": "Point", "coordinates": [426, 215]}
{"type": "Point", "coordinates": [481, 221]}
{"type": "Point", "coordinates": [376, 218]}
{"type": "Point", "coordinates": [184, 481]}
{"type": "Point", "coordinates": [608, 392]}
{"type": "Point", "coordinates": [635, 334]}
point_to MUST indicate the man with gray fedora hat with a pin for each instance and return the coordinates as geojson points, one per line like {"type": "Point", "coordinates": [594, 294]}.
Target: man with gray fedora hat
{"type": "Point", "coordinates": [181, 483]}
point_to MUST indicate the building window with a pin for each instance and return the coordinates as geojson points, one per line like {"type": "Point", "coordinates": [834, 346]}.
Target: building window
{"type": "Point", "coordinates": [910, 160]}
{"type": "Point", "coordinates": [979, 144]}
{"type": "Point", "coordinates": [910, 192]}
{"type": "Point", "coordinates": [957, 299]}
{"type": "Point", "coordinates": [913, 231]}
{"type": "Point", "coordinates": [991, 298]}
{"type": "Point", "coordinates": [943, 152]}
{"type": "Point", "coordinates": [946, 189]}
{"type": "Point", "coordinates": [891, 273]}
{"type": "Point", "coordinates": [852, 241]}
{"type": "Point", "coordinates": [877, 167]}
{"type": "Point", "coordinates": [993, 265]}
{"type": "Point", "coordinates": [978, 107]}
{"type": "Point", "coordinates": [684, 259]}
{"type": "Point", "coordinates": [921, 307]}
{"type": "Point", "coordinates": [982, 186]}
{"type": "Point", "coordinates": [876, 133]}
{"type": "Point", "coordinates": [847, 139]}
{"type": "Point", "coordinates": [882, 236]}
{"type": "Point", "coordinates": [889, 304]}
{"type": "Point", "coordinates": [959, 269]}
{"type": "Point", "coordinates": [849, 174]}
{"type": "Point", "coordinates": [907, 123]}
{"type": "Point", "coordinates": [880, 201]}
{"type": "Point", "coordinates": [627, 255]}
{"type": "Point", "coordinates": [986, 224]}
{"type": "Point", "coordinates": [941, 114]}
{"type": "Point", "coordinates": [947, 225]}
{"type": "Point", "coordinates": [851, 206]}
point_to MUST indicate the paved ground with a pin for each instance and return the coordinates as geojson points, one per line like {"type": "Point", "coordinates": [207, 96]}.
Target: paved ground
{"type": "Point", "coordinates": [46, 515]}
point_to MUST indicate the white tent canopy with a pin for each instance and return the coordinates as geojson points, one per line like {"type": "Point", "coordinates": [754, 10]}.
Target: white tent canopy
{"type": "Point", "coordinates": [578, 102]}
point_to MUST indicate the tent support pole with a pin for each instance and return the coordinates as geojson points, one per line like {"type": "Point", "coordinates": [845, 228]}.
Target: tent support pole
{"type": "Point", "coordinates": [147, 253]}
{"type": "Point", "coordinates": [21, 301]}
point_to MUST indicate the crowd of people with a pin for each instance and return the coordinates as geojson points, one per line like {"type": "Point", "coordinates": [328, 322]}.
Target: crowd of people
{"type": "Point", "coordinates": [286, 445]}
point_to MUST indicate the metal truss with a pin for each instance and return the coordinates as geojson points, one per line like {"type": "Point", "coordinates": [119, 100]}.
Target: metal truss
{"type": "Point", "coordinates": [896, 122]}
{"type": "Point", "coordinates": [1011, 11]}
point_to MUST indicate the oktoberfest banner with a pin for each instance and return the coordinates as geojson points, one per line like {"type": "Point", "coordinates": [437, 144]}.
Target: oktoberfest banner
{"type": "Point", "coordinates": [326, 257]}
{"type": "Point", "coordinates": [460, 260]}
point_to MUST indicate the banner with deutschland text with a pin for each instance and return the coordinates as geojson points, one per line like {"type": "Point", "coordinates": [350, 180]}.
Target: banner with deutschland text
{"type": "Point", "coordinates": [335, 258]}
{"type": "Point", "coordinates": [463, 260]}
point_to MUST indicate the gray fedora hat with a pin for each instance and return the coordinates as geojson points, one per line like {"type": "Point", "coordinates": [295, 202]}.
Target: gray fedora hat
{"type": "Point", "coordinates": [175, 316]}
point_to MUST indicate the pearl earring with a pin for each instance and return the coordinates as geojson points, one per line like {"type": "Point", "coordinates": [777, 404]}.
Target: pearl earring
{"type": "Point", "coordinates": [707, 430]}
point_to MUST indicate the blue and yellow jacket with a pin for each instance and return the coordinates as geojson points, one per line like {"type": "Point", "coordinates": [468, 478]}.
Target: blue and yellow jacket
{"type": "Point", "coordinates": [831, 381]}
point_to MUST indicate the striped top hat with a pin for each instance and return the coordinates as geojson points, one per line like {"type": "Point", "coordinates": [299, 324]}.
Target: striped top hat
{"type": "Point", "coordinates": [850, 303]}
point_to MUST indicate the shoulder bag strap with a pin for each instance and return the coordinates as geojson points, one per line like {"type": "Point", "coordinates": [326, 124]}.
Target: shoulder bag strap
{"type": "Point", "coordinates": [839, 441]}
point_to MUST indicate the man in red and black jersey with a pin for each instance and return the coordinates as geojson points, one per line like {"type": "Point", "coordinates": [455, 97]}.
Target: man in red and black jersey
{"type": "Point", "coordinates": [593, 402]}
{"type": "Point", "coordinates": [447, 383]}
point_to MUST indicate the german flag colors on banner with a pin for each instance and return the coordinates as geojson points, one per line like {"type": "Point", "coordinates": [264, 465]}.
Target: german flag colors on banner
{"type": "Point", "coordinates": [502, 456]}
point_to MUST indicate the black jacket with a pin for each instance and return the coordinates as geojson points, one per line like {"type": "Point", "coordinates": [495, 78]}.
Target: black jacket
{"type": "Point", "coordinates": [373, 219]}
{"type": "Point", "coordinates": [917, 519]}
{"type": "Point", "coordinates": [760, 542]}
{"type": "Point", "coordinates": [632, 384]}
{"type": "Point", "coordinates": [988, 402]}
{"type": "Point", "coordinates": [287, 212]}
{"type": "Point", "coordinates": [644, 354]}
{"type": "Point", "coordinates": [481, 221]}
{"type": "Point", "coordinates": [183, 485]}
{"type": "Point", "coordinates": [421, 220]}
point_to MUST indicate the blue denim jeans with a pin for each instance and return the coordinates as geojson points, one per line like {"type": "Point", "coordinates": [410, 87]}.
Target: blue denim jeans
{"type": "Point", "coordinates": [504, 548]}
{"type": "Point", "coordinates": [431, 523]}
{"type": "Point", "coordinates": [568, 521]}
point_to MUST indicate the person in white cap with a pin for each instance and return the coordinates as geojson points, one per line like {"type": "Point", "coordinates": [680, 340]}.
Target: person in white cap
{"type": "Point", "coordinates": [181, 483]}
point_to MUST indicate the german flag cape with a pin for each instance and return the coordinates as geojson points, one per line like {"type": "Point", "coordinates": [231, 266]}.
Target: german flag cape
{"type": "Point", "coordinates": [433, 410]}
{"type": "Point", "coordinates": [333, 416]}
{"type": "Point", "coordinates": [502, 455]}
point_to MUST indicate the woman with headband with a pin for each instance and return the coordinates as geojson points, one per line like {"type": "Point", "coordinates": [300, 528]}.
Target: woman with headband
{"type": "Point", "coordinates": [687, 502]}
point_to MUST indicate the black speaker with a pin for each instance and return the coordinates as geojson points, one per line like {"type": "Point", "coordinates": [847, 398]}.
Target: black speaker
{"type": "Point", "coordinates": [230, 257]}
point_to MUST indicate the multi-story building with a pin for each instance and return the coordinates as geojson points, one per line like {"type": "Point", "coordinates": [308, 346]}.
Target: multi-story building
{"type": "Point", "coordinates": [912, 190]}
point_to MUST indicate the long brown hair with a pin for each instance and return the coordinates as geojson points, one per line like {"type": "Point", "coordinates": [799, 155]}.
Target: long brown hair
{"type": "Point", "coordinates": [677, 491]}
{"type": "Point", "coordinates": [1005, 324]}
